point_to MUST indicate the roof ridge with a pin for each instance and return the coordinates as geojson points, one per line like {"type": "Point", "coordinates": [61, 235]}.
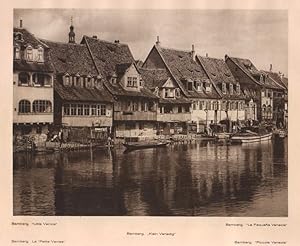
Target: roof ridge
{"type": "Point", "coordinates": [173, 49]}
{"type": "Point", "coordinates": [105, 41]}
{"type": "Point", "coordinates": [60, 42]}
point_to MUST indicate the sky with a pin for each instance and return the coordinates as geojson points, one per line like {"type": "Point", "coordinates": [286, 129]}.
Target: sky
{"type": "Point", "coordinates": [259, 35]}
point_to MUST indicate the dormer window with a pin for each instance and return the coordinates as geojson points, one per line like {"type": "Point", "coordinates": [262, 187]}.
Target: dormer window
{"type": "Point", "coordinates": [231, 89]}
{"type": "Point", "coordinates": [224, 88]}
{"type": "Point", "coordinates": [141, 82]}
{"type": "Point", "coordinates": [199, 86]}
{"type": "Point", "coordinates": [177, 92]}
{"type": "Point", "coordinates": [98, 82]}
{"type": "Point", "coordinates": [207, 86]}
{"type": "Point", "coordinates": [17, 55]}
{"type": "Point", "coordinates": [131, 81]}
{"type": "Point", "coordinates": [18, 36]}
{"type": "Point", "coordinates": [67, 80]}
{"type": "Point", "coordinates": [190, 86]}
{"type": "Point", "coordinates": [29, 53]}
{"type": "Point", "coordinates": [169, 93]}
{"type": "Point", "coordinates": [238, 89]}
{"type": "Point", "coordinates": [40, 54]}
{"type": "Point", "coordinates": [77, 80]}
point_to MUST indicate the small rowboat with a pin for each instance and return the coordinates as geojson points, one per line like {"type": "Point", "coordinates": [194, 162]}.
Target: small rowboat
{"type": "Point", "coordinates": [144, 145]}
{"type": "Point", "coordinates": [250, 138]}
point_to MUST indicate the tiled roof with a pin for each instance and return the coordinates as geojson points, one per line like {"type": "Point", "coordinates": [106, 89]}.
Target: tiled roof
{"type": "Point", "coordinates": [180, 100]}
{"type": "Point", "coordinates": [183, 68]}
{"type": "Point", "coordinates": [113, 58]}
{"type": "Point", "coordinates": [219, 73]}
{"type": "Point", "coordinates": [28, 38]}
{"type": "Point", "coordinates": [281, 81]}
{"type": "Point", "coordinates": [154, 77]}
{"type": "Point", "coordinates": [81, 93]}
{"type": "Point", "coordinates": [71, 58]}
{"type": "Point", "coordinates": [273, 80]}
{"type": "Point", "coordinates": [248, 67]}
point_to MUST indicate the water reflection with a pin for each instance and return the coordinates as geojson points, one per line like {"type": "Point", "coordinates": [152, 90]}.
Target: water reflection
{"type": "Point", "coordinates": [202, 179]}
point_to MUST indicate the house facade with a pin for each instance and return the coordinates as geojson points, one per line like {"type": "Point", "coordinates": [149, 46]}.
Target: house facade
{"type": "Point", "coordinates": [184, 68]}
{"type": "Point", "coordinates": [82, 105]}
{"type": "Point", "coordinates": [232, 103]}
{"type": "Point", "coordinates": [250, 81]}
{"type": "Point", "coordinates": [32, 84]}
{"type": "Point", "coordinates": [135, 106]}
{"type": "Point", "coordinates": [173, 111]}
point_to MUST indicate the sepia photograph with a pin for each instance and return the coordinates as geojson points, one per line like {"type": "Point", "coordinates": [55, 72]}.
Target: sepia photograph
{"type": "Point", "coordinates": [150, 112]}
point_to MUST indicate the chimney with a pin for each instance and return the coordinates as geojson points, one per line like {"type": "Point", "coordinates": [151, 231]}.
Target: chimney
{"type": "Point", "coordinates": [193, 53]}
{"type": "Point", "coordinates": [271, 67]}
{"type": "Point", "coordinates": [21, 23]}
{"type": "Point", "coordinates": [117, 41]}
{"type": "Point", "coordinates": [157, 41]}
{"type": "Point", "coordinates": [95, 37]}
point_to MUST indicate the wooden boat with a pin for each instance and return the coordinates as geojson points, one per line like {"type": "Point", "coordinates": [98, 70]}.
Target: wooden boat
{"type": "Point", "coordinates": [144, 145]}
{"type": "Point", "coordinates": [250, 137]}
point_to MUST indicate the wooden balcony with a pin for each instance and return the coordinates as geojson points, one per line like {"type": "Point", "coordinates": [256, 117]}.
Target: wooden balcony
{"type": "Point", "coordinates": [178, 117]}
{"type": "Point", "coordinates": [135, 115]}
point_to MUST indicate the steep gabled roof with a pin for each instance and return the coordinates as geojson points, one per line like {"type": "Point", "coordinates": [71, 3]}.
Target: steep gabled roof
{"type": "Point", "coordinates": [154, 77]}
{"type": "Point", "coordinates": [219, 73]}
{"type": "Point", "coordinates": [28, 38]}
{"type": "Point", "coordinates": [273, 80]}
{"type": "Point", "coordinates": [278, 79]}
{"type": "Point", "coordinates": [114, 58]}
{"type": "Point", "coordinates": [247, 67]}
{"type": "Point", "coordinates": [183, 68]}
{"type": "Point", "coordinates": [71, 58]}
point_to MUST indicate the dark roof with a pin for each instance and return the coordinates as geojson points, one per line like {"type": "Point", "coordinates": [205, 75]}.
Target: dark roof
{"type": "Point", "coordinates": [278, 79]}
{"type": "Point", "coordinates": [154, 77]}
{"type": "Point", "coordinates": [219, 73]}
{"type": "Point", "coordinates": [247, 67]}
{"type": "Point", "coordinates": [271, 80]}
{"type": "Point", "coordinates": [108, 55]}
{"type": "Point", "coordinates": [28, 38]}
{"type": "Point", "coordinates": [81, 93]}
{"type": "Point", "coordinates": [71, 58]}
{"type": "Point", "coordinates": [180, 100]}
{"type": "Point", "coordinates": [114, 58]}
{"type": "Point", "coordinates": [183, 68]}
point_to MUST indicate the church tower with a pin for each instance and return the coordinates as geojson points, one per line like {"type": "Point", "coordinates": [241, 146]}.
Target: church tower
{"type": "Point", "coordinates": [72, 33]}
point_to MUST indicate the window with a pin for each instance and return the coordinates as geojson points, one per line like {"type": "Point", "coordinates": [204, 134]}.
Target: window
{"type": "Point", "coordinates": [199, 86]}
{"type": "Point", "coordinates": [43, 79]}
{"type": "Point", "coordinates": [24, 78]}
{"type": "Point", "coordinates": [132, 81]}
{"type": "Point", "coordinates": [201, 105]}
{"type": "Point", "coordinates": [98, 83]}
{"type": "Point", "coordinates": [238, 89]}
{"type": "Point", "coordinates": [169, 109]}
{"type": "Point", "coordinates": [29, 53]}
{"type": "Point", "coordinates": [141, 82]}
{"type": "Point", "coordinates": [177, 92]}
{"type": "Point", "coordinates": [169, 92]}
{"type": "Point", "coordinates": [40, 54]}
{"type": "Point", "coordinates": [231, 89]}
{"type": "Point", "coordinates": [186, 109]}
{"type": "Point", "coordinates": [17, 53]}
{"type": "Point", "coordinates": [66, 109]}
{"type": "Point", "coordinates": [73, 108]}
{"type": "Point", "coordinates": [208, 105]}
{"type": "Point", "coordinates": [41, 106]}
{"type": "Point", "coordinates": [134, 106]}
{"type": "Point", "coordinates": [86, 109]}
{"type": "Point", "coordinates": [224, 105]}
{"type": "Point", "coordinates": [215, 105]}
{"type": "Point", "coordinates": [80, 109]}
{"type": "Point", "coordinates": [207, 87]}
{"type": "Point", "coordinates": [144, 106]}
{"type": "Point", "coordinates": [24, 106]}
{"type": "Point", "coordinates": [179, 109]}
{"type": "Point", "coordinates": [190, 86]}
{"type": "Point", "coordinates": [223, 88]}
{"type": "Point", "coordinates": [103, 110]}
{"type": "Point", "coordinates": [195, 105]}
{"type": "Point", "coordinates": [93, 109]}
{"type": "Point", "coordinates": [88, 82]}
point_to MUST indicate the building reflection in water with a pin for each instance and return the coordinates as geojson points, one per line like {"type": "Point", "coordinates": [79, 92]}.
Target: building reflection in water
{"type": "Point", "coordinates": [202, 179]}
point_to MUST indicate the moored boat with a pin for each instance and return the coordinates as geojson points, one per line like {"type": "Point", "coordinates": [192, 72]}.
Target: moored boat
{"type": "Point", "coordinates": [144, 145]}
{"type": "Point", "coordinates": [251, 135]}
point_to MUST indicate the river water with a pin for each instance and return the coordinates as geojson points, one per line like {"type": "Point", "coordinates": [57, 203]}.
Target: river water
{"type": "Point", "coordinates": [198, 179]}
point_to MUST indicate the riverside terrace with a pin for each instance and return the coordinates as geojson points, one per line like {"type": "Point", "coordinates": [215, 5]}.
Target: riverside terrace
{"type": "Point", "coordinates": [98, 86]}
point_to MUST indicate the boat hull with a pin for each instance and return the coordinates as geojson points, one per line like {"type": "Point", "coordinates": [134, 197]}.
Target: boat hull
{"type": "Point", "coordinates": [144, 146]}
{"type": "Point", "coordinates": [251, 139]}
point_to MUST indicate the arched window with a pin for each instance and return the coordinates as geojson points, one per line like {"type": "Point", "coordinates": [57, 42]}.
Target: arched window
{"type": "Point", "coordinates": [231, 89]}
{"type": "Point", "coordinates": [41, 106]}
{"type": "Point", "coordinates": [29, 53]}
{"type": "Point", "coordinates": [40, 54]}
{"type": "Point", "coordinates": [238, 89]}
{"type": "Point", "coordinates": [41, 79]}
{"type": "Point", "coordinates": [24, 106]}
{"type": "Point", "coordinates": [24, 78]}
{"type": "Point", "coordinates": [17, 55]}
{"type": "Point", "coordinates": [224, 88]}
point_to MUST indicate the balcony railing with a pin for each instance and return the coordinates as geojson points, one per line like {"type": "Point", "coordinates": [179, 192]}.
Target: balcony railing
{"type": "Point", "coordinates": [135, 115]}
{"type": "Point", "coordinates": [181, 117]}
